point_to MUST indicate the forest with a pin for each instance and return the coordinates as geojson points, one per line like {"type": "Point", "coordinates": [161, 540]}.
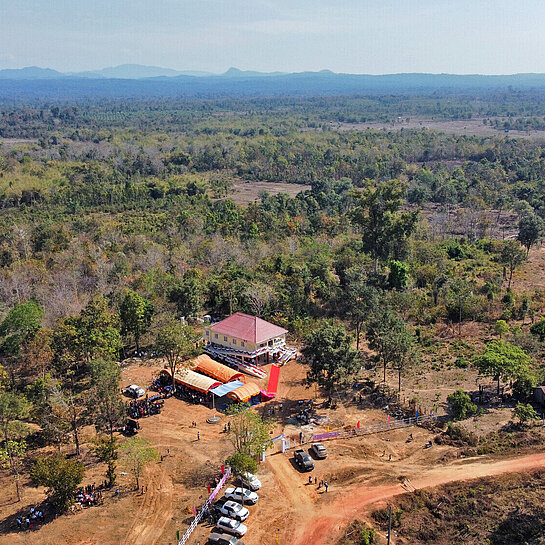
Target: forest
{"type": "Point", "coordinates": [118, 218]}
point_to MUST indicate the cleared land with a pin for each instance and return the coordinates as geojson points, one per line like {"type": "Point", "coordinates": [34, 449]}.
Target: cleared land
{"type": "Point", "coordinates": [360, 472]}
{"type": "Point", "coordinates": [470, 127]}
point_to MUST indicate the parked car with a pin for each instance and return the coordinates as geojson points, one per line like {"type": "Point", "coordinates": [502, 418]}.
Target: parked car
{"type": "Point", "coordinates": [134, 391]}
{"type": "Point", "coordinates": [231, 509]}
{"type": "Point", "coordinates": [223, 539]}
{"type": "Point", "coordinates": [318, 450]}
{"type": "Point", "coordinates": [241, 495]}
{"type": "Point", "coordinates": [303, 460]}
{"type": "Point", "coordinates": [231, 526]}
{"type": "Point", "coordinates": [250, 481]}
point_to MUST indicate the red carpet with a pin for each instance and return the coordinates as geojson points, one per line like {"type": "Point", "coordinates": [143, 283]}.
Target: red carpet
{"type": "Point", "coordinates": [274, 377]}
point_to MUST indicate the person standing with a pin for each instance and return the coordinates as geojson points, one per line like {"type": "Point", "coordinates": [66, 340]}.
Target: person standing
{"type": "Point", "coordinates": [198, 436]}
{"type": "Point", "coordinates": [326, 486]}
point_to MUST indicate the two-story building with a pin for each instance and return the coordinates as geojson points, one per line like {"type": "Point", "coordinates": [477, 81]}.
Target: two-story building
{"type": "Point", "coordinates": [247, 341]}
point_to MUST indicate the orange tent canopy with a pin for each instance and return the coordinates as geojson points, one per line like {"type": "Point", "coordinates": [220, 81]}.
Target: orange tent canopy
{"type": "Point", "coordinates": [244, 393]}
{"type": "Point", "coordinates": [206, 365]}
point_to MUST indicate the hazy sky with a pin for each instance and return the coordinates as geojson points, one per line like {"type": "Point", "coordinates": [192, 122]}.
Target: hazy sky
{"type": "Point", "coordinates": [358, 36]}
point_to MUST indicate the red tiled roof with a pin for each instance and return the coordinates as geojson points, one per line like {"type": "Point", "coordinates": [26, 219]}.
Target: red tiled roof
{"type": "Point", "coordinates": [248, 328]}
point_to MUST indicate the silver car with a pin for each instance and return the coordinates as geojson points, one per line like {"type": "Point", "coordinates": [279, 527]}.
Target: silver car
{"type": "Point", "coordinates": [231, 526]}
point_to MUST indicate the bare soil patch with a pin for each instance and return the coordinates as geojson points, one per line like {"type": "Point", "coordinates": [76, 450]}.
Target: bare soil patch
{"type": "Point", "coordinates": [247, 192]}
{"type": "Point", "coordinates": [471, 127]}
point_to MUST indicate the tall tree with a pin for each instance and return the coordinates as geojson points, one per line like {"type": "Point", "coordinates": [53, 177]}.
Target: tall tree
{"type": "Point", "coordinates": [530, 230]}
{"type": "Point", "coordinates": [61, 476]}
{"type": "Point", "coordinates": [459, 294]}
{"type": "Point", "coordinates": [512, 256]}
{"type": "Point", "coordinates": [79, 339]}
{"type": "Point", "coordinates": [135, 313]}
{"type": "Point", "coordinates": [187, 293]}
{"type": "Point", "coordinates": [14, 408]}
{"type": "Point", "coordinates": [329, 354]}
{"type": "Point", "coordinates": [68, 408]}
{"type": "Point", "coordinates": [19, 327]}
{"type": "Point", "coordinates": [390, 339]}
{"type": "Point", "coordinates": [176, 343]}
{"type": "Point", "coordinates": [105, 402]}
{"type": "Point", "coordinates": [137, 453]}
{"type": "Point", "coordinates": [504, 361]}
{"type": "Point", "coordinates": [384, 227]}
{"type": "Point", "coordinates": [106, 450]}
{"type": "Point", "coordinates": [359, 300]}
{"type": "Point", "coordinates": [249, 432]}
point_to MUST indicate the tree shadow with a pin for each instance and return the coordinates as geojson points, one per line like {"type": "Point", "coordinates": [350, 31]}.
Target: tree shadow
{"type": "Point", "coordinates": [9, 524]}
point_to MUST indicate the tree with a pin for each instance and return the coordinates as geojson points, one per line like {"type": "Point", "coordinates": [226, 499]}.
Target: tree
{"type": "Point", "coordinates": [399, 275]}
{"type": "Point", "coordinates": [538, 329]}
{"type": "Point", "coordinates": [380, 328]}
{"type": "Point", "coordinates": [12, 454]}
{"type": "Point", "coordinates": [501, 327]}
{"type": "Point", "coordinates": [68, 409]}
{"type": "Point", "coordinates": [38, 353]}
{"type": "Point", "coordinates": [176, 343]}
{"type": "Point", "coordinates": [530, 230]}
{"type": "Point", "coordinates": [389, 337]}
{"type": "Point", "coordinates": [329, 354]}
{"type": "Point", "coordinates": [258, 296]}
{"type": "Point", "coordinates": [383, 226]}
{"type": "Point", "coordinates": [249, 432]}
{"type": "Point", "coordinates": [459, 295]}
{"type": "Point", "coordinates": [13, 409]}
{"type": "Point", "coordinates": [91, 335]}
{"type": "Point", "coordinates": [61, 476]}
{"type": "Point", "coordinates": [137, 453]}
{"type": "Point", "coordinates": [19, 327]}
{"type": "Point", "coordinates": [241, 463]}
{"type": "Point", "coordinates": [359, 300]}
{"type": "Point", "coordinates": [461, 405]}
{"type": "Point", "coordinates": [512, 256]}
{"type": "Point", "coordinates": [106, 450]}
{"type": "Point", "coordinates": [187, 293]}
{"type": "Point", "coordinates": [106, 405]}
{"type": "Point", "coordinates": [525, 413]}
{"type": "Point", "coordinates": [503, 361]}
{"type": "Point", "coordinates": [135, 313]}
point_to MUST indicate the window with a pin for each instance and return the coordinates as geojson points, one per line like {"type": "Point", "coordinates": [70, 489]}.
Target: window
{"type": "Point", "coordinates": [216, 335]}
{"type": "Point", "coordinates": [242, 343]}
{"type": "Point", "coordinates": [225, 339]}
{"type": "Point", "coordinates": [234, 341]}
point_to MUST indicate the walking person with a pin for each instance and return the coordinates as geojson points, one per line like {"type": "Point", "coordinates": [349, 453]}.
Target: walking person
{"type": "Point", "coordinates": [198, 436]}
{"type": "Point", "coordinates": [326, 486]}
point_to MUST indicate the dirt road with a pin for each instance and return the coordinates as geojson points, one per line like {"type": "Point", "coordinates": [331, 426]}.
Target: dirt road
{"type": "Point", "coordinates": [155, 511]}
{"type": "Point", "coordinates": [331, 517]}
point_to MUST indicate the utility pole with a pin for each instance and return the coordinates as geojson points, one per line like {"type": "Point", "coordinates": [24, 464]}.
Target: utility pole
{"type": "Point", "coordinates": [389, 524]}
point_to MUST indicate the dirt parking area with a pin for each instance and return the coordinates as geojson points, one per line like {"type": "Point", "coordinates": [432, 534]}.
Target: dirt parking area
{"type": "Point", "coordinates": [359, 471]}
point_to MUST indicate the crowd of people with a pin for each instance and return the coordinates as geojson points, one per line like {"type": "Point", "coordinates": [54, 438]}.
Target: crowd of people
{"type": "Point", "coordinates": [145, 407]}
{"type": "Point", "coordinates": [89, 495]}
{"type": "Point", "coordinates": [29, 521]}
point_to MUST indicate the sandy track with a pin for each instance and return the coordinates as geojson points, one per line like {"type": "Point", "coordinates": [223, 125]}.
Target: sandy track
{"type": "Point", "coordinates": [329, 519]}
{"type": "Point", "coordinates": [155, 511]}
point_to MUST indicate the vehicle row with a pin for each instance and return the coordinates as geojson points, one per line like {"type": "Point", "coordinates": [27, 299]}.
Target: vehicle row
{"type": "Point", "coordinates": [229, 512]}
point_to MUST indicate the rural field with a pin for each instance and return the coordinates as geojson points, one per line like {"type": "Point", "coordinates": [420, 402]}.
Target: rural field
{"type": "Point", "coordinates": [194, 284]}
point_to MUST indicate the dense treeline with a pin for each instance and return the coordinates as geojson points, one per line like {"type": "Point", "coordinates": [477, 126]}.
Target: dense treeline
{"type": "Point", "coordinates": [117, 221]}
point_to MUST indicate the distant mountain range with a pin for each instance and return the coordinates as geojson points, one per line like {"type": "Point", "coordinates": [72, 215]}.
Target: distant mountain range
{"type": "Point", "coordinates": [133, 80]}
{"type": "Point", "coordinates": [125, 71]}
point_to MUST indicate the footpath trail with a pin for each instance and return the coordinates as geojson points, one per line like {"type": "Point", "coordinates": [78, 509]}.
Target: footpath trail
{"type": "Point", "coordinates": [154, 512]}
{"type": "Point", "coordinates": [330, 518]}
